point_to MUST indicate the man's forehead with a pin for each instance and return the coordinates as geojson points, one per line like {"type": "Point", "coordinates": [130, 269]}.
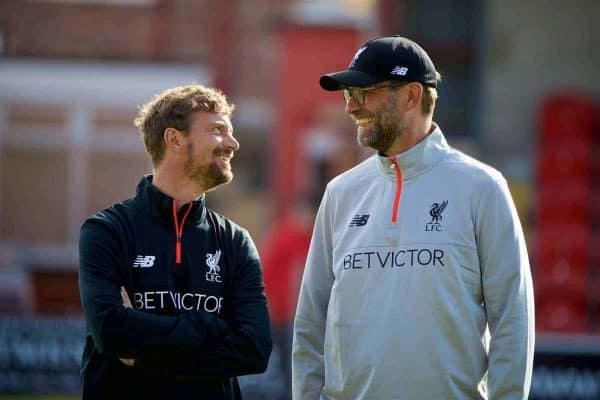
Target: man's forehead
{"type": "Point", "coordinates": [212, 118]}
{"type": "Point", "coordinates": [222, 120]}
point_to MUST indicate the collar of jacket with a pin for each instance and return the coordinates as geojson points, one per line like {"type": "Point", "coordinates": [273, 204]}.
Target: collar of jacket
{"type": "Point", "coordinates": [418, 159]}
{"type": "Point", "coordinates": [161, 206]}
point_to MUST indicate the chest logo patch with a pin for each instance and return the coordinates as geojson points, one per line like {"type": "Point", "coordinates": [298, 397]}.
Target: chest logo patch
{"type": "Point", "coordinates": [435, 212]}
{"type": "Point", "coordinates": [212, 261]}
{"type": "Point", "coordinates": [144, 261]}
{"type": "Point", "coordinates": [359, 220]}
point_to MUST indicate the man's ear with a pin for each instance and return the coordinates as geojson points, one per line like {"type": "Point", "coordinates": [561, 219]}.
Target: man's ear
{"type": "Point", "coordinates": [173, 139]}
{"type": "Point", "coordinates": [414, 95]}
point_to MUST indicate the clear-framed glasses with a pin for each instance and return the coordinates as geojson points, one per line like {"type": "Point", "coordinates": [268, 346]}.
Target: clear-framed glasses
{"type": "Point", "coordinates": [358, 93]}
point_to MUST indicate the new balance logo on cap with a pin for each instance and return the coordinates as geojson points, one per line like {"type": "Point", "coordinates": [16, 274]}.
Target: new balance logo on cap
{"type": "Point", "coordinates": [359, 220]}
{"type": "Point", "coordinates": [398, 70]}
{"type": "Point", "coordinates": [144, 261]}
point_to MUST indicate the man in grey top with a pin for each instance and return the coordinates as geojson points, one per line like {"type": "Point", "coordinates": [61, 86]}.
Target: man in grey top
{"type": "Point", "coordinates": [417, 283]}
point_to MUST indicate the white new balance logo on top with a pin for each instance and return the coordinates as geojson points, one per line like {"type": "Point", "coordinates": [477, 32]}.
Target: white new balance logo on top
{"type": "Point", "coordinates": [144, 261]}
{"type": "Point", "coordinates": [398, 70]}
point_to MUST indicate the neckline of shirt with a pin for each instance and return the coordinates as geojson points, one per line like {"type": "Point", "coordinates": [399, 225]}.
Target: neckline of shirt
{"type": "Point", "coordinates": [160, 205]}
{"type": "Point", "coordinates": [418, 159]}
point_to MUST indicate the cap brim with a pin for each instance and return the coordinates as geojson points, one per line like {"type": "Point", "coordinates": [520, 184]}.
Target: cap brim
{"type": "Point", "coordinates": [335, 80]}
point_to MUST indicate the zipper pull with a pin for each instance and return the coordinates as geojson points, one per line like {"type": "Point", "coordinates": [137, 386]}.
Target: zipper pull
{"type": "Point", "coordinates": [178, 250]}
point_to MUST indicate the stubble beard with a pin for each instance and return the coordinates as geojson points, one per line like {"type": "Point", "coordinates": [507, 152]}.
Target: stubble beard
{"type": "Point", "coordinates": [387, 126]}
{"type": "Point", "coordinates": [207, 177]}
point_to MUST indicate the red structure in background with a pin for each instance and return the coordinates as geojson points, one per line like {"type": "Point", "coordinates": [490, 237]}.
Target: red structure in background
{"type": "Point", "coordinates": [223, 35]}
{"type": "Point", "coordinates": [283, 257]}
{"type": "Point", "coordinates": [565, 271]}
{"type": "Point", "coordinates": [306, 53]}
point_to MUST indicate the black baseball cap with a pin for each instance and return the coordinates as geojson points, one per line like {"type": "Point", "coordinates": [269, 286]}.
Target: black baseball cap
{"type": "Point", "coordinates": [382, 59]}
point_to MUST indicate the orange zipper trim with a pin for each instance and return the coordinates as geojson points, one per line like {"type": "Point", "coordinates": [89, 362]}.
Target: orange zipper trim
{"type": "Point", "coordinates": [179, 231]}
{"type": "Point", "coordinates": [398, 189]}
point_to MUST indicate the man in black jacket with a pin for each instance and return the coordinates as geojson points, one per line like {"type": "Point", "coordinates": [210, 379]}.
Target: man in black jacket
{"type": "Point", "coordinates": [172, 291]}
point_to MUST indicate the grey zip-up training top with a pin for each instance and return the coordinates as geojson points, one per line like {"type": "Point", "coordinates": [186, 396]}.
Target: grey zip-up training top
{"type": "Point", "coordinates": [417, 284]}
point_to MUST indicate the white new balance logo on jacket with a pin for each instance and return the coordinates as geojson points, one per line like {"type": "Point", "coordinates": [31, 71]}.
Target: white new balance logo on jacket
{"type": "Point", "coordinates": [144, 261]}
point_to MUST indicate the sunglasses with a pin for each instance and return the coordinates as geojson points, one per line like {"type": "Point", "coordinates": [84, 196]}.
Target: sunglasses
{"type": "Point", "coordinates": [358, 93]}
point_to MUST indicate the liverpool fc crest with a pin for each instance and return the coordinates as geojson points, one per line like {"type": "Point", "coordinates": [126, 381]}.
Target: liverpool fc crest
{"type": "Point", "coordinates": [436, 216]}
{"type": "Point", "coordinates": [212, 261]}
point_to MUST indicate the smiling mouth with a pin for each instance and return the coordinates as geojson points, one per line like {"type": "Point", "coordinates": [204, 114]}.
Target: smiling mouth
{"type": "Point", "coordinates": [364, 121]}
{"type": "Point", "coordinates": [224, 156]}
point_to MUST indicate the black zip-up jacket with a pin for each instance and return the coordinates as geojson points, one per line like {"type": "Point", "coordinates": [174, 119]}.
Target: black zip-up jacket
{"type": "Point", "coordinates": [199, 315]}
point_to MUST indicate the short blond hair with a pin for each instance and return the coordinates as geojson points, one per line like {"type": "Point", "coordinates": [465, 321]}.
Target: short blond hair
{"type": "Point", "coordinates": [173, 109]}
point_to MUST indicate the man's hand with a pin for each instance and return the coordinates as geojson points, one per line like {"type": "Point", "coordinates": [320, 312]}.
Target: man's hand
{"type": "Point", "coordinates": [125, 298]}
{"type": "Point", "coordinates": [127, 304]}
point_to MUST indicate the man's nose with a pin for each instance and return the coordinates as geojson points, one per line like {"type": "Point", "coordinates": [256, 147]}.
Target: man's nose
{"type": "Point", "coordinates": [232, 143]}
{"type": "Point", "coordinates": [351, 106]}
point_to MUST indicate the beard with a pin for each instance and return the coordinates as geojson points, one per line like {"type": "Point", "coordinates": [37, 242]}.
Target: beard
{"type": "Point", "coordinates": [208, 176]}
{"type": "Point", "coordinates": [388, 124]}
